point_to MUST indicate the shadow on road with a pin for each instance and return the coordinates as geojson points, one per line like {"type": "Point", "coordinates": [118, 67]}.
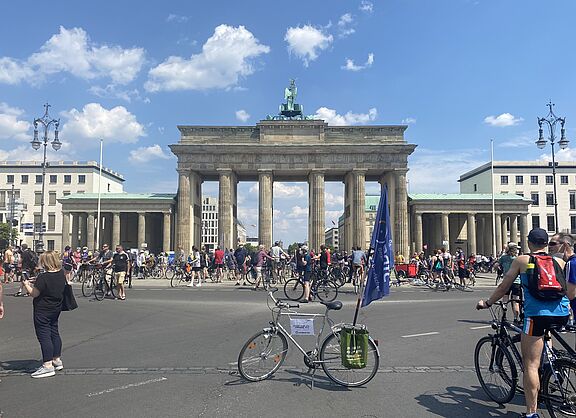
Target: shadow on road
{"type": "Point", "coordinates": [20, 365]}
{"type": "Point", "coordinates": [468, 402]}
{"type": "Point", "coordinates": [297, 378]}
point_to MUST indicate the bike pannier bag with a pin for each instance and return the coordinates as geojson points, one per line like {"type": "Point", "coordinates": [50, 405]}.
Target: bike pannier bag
{"type": "Point", "coordinates": [546, 280]}
{"type": "Point", "coordinates": [354, 347]}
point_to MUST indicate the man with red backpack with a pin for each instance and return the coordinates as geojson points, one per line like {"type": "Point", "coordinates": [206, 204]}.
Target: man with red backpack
{"type": "Point", "coordinates": [546, 303]}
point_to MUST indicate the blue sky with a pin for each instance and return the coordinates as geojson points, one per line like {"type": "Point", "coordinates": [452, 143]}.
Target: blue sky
{"type": "Point", "coordinates": [458, 72]}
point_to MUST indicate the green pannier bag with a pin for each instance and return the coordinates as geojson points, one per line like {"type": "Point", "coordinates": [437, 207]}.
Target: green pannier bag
{"type": "Point", "coordinates": [354, 347]}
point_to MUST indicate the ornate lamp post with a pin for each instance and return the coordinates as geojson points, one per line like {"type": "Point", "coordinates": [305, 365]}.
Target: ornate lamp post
{"type": "Point", "coordinates": [46, 121]}
{"type": "Point", "coordinates": [551, 120]}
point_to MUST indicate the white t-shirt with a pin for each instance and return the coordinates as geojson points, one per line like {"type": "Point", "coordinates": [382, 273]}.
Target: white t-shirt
{"type": "Point", "coordinates": [276, 252]}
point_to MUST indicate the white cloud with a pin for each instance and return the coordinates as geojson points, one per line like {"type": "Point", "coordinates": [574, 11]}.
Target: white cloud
{"type": "Point", "coordinates": [11, 124]}
{"type": "Point", "coordinates": [332, 218]}
{"type": "Point", "coordinates": [147, 154]}
{"type": "Point", "coordinates": [332, 200]}
{"type": "Point", "coordinates": [226, 56]}
{"type": "Point", "coordinates": [71, 51]}
{"type": "Point", "coordinates": [284, 191]}
{"type": "Point", "coordinates": [438, 171]}
{"type": "Point", "coordinates": [409, 121]}
{"type": "Point", "coordinates": [242, 115]}
{"type": "Point", "coordinates": [307, 42]}
{"type": "Point", "coordinates": [177, 18]}
{"type": "Point", "coordinates": [298, 212]}
{"type": "Point", "coordinates": [283, 225]}
{"type": "Point", "coordinates": [366, 6]}
{"type": "Point", "coordinates": [344, 25]}
{"type": "Point", "coordinates": [95, 122]}
{"type": "Point", "coordinates": [505, 119]}
{"type": "Point", "coordinates": [522, 141]}
{"type": "Point", "coordinates": [332, 118]}
{"type": "Point", "coordinates": [350, 66]}
{"type": "Point", "coordinates": [111, 91]}
{"type": "Point", "coordinates": [568, 154]}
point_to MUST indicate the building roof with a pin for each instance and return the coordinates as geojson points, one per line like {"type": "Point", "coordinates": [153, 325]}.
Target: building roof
{"type": "Point", "coordinates": [121, 196]}
{"type": "Point", "coordinates": [528, 165]}
{"type": "Point", "coordinates": [465, 196]}
{"type": "Point", "coordinates": [63, 164]}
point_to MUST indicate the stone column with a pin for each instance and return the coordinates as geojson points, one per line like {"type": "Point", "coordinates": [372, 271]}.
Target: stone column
{"type": "Point", "coordinates": [65, 229]}
{"type": "Point", "coordinates": [471, 233]}
{"type": "Point", "coordinates": [487, 234]}
{"type": "Point", "coordinates": [234, 188]}
{"type": "Point", "coordinates": [75, 242]}
{"type": "Point", "coordinates": [514, 228]}
{"type": "Point", "coordinates": [389, 178]}
{"type": "Point", "coordinates": [166, 232]}
{"type": "Point", "coordinates": [524, 233]}
{"type": "Point", "coordinates": [498, 232]}
{"type": "Point", "coordinates": [183, 212]}
{"type": "Point", "coordinates": [90, 231]}
{"type": "Point", "coordinates": [446, 231]}
{"type": "Point", "coordinates": [195, 209]}
{"type": "Point", "coordinates": [115, 229]}
{"type": "Point", "coordinates": [401, 217]}
{"type": "Point", "coordinates": [358, 209]}
{"type": "Point", "coordinates": [504, 231]}
{"type": "Point", "coordinates": [265, 192]}
{"type": "Point", "coordinates": [346, 240]}
{"type": "Point", "coordinates": [316, 212]}
{"type": "Point", "coordinates": [225, 215]}
{"type": "Point", "coordinates": [141, 229]}
{"type": "Point", "coordinates": [418, 232]}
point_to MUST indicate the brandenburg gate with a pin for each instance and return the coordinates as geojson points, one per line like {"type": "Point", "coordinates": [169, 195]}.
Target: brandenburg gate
{"type": "Point", "coordinates": [292, 149]}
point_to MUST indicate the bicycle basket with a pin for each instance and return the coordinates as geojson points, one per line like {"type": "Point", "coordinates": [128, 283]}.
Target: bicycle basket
{"type": "Point", "coordinates": [354, 347]}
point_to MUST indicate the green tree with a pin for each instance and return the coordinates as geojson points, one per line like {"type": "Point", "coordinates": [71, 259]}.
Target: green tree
{"type": "Point", "coordinates": [292, 247]}
{"type": "Point", "coordinates": [7, 234]}
{"type": "Point", "coordinates": [249, 248]}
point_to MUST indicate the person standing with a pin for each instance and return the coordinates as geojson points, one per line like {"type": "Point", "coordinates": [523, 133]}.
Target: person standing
{"type": "Point", "coordinates": [121, 265]}
{"type": "Point", "coordinates": [306, 273]}
{"type": "Point", "coordinates": [240, 256]}
{"type": "Point", "coordinates": [48, 293]}
{"type": "Point", "coordinates": [29, 261]}
{"type": "Point", "coordinates": [8, 265]}
{"type": "Point", "coordinates": [261, 257]}
{"type": "Point", "coordinates": [219, 263]}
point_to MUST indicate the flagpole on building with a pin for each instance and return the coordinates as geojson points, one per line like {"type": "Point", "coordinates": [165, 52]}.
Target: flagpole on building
{"type": "Point", "coordinates": [494, 243]}
{"type": "Point", "coordinates": [99, 191]}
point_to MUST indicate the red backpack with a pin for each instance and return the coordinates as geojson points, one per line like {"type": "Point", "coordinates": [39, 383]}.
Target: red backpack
{"type": "Point", "coordinates": [546, 280]}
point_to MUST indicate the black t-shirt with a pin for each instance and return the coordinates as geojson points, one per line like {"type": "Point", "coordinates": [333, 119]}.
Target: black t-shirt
{"type": "Point", "coordinates": [27, 260]}
{"type": "Point", "coordinates": [106, 255]}
{"type": "Point", "coordinates": [51, 286]}
{"type": "Point", "coordinates": [120, 261]}
{"type": "Point", "coordinates": [324, 259]}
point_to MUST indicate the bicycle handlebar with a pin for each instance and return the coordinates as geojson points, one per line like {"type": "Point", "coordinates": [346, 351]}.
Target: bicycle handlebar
{"type": "Point", "coordinates": [280, 302]}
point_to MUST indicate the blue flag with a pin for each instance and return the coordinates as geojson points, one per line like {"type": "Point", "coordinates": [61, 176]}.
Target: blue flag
{"type": "Point", "coordinates": [382, 260]}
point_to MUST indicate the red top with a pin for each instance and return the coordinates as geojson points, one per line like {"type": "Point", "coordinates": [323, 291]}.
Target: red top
{"type": "Point", "coordinates": [219, 257]}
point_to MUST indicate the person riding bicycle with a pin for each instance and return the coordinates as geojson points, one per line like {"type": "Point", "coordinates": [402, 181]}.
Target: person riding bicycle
{"type": "Point", "coordinates": [358, 258]}
{"type": "Point", "coordinates": [276, 253]}
{"type": "Point", "coordinates": [323, 259]}
{"type": "Point", "coordinates": [539, 314]}
{"type": "Point", "coordinates": [515, 292]}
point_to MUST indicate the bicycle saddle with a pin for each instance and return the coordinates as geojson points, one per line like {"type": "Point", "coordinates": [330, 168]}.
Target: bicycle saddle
{"type": "Point", "coordinates": [335, 306]}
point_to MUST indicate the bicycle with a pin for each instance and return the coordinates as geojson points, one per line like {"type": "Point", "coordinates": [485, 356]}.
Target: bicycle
{"type": "Point", "coordinates": [322, 287]}
{"type": "Point", "coordinates": [497, 359]}
{"type": "Point", "coordinates": [264, 353]}
{"type": "Point", "coordinates": [104, 284]}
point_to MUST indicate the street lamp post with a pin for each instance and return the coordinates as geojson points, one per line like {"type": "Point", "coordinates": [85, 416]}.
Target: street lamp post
{"type": "Point", "coordinates": [46, 121]}
{"type": "Point", "coordinates": [551, 120]}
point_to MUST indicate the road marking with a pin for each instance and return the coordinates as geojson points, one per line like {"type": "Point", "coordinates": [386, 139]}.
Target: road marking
{"type": "Point", "coordinates": [420, 335]}
{"type": "Point", "coordinates": [482, 327]}
{"type": "Point", "coordinates": [131, 385]}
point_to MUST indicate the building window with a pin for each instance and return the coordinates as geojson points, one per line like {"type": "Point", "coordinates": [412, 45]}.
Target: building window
{"type": "Point", "coordinates": [52, 198]}
{"type": "Point", "coordinates": [533, 179]}
{"type": "Point", "coordinates": [38, 178]}
{"type": "Point", "coordinates": [572, 200]}
{"type": "Point", "coordinates": [81, 179]}
{"type": "Point", "coordinates": [572, 224]}
{"type": "Point", "coordinates": [563, 179]}
{"type": "Point", "coordinates": [10, 179]}
{"type": "Point", "coordinates": [53, 179]}
{"type": "Point", "coordinates": [24, 179]}
{"type": "Point", "coordinates": [67, 179]}
{"type": "Point", "coordinates": [503, 179]}
{"type": "Point", "coordinates": [50, 245]}
{"type": "Point", "coordinates": [475, 187]}
{"type": "Point", "coordinates": [550, 223]}
{"type": "Point", "coordinates": [66, 193]}
{"type": "Point", "coordinates": [37, 198]}
{"type": "Point", "coordinates": [549, 180]}
{"type": "Point", "coordinates": [535, 199]}
{"type": "Point", "coordinates": [520, 194]}
{"type": "Point", "coordinates": [549, 199]}
{"type": "Point", "coordinates": [535, 221]}
{"type": "Point", "coordinates": [108, 187]}
{"type": "Point", "coordinates": [519, 179]}
{"type": "Point", "coordinates": [51, 221]}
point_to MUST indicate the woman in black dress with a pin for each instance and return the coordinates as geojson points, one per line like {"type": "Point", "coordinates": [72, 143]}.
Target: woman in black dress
{"type": "Point", "coordinates": [48, 292]}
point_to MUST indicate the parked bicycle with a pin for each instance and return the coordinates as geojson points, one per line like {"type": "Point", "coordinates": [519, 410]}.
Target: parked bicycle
{"type": "Point", "coordinates": [322, 287]}
{"type": "Point", "coordinates": [264, 353]}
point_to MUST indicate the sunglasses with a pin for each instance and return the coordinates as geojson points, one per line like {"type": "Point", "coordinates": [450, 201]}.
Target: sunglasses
{"type": "Point", "coordinates": [553, 243]}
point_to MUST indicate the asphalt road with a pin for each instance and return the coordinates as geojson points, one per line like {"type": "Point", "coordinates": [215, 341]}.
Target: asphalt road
{"type": "Point", "coordinates": [172, 353]}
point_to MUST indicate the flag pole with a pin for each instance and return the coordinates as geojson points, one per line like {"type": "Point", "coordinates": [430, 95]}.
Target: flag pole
{"type": "Point", "coordinates": [98, 211]}
{"type": "Point", "coordinates": [495, 244]}
{"type": "Point", "coordinates": [361, 288]}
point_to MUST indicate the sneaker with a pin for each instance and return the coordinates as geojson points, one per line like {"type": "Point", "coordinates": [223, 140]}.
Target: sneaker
{"type": "Point", "coordinates": [57, 364]}
{"type": "Point", "coordinates": [199, 284]}
{"type": "Point", "coordinates": [190, 284]}
{"type": "Point", "coordinates": [43, 372]}
{"type": "Point", "coordinates": [18, 293]}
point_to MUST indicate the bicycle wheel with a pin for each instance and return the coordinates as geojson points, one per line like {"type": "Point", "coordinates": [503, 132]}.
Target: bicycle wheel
{"type": "Point", "coordinates": [560, 395]}
{"type": "Point", "coordinates": [294, 289]}
{"type": "Point", "coordinates": [169, 273]}
{"type": "Point", "coordinates": [326, 290]}
{"type": "Point", "coordinates": [331, 361]}
{"type": "Point", "coordinates": [99, 288]}
{"type": "Point", "coordinates": [262, 355]}
{"type": "Point", "coordinates": [495, 370]}
{"type": "Point", "coordinates": [250, 276]}
{"type": "Point", "coordinates": [176, 279]}
{"type": "Point", "coordinates": [112, 285]}
{"type": "Point", "coordinates": [87, 287]}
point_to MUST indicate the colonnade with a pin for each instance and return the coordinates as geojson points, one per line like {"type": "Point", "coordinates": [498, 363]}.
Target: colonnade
{"type": "Point", "coordinates": [188, 217]}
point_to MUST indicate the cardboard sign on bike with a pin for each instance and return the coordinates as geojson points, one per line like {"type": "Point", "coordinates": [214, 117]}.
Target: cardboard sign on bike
{"type": "Point", "coordinates": [302, 326]}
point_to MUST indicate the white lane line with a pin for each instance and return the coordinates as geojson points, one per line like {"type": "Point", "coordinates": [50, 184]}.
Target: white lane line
{"type": "Point", "coordinates": [131, 385]}
{"type": "Point", "coordinates": [420, 335]}
{"type": "Point", "coordinates": [482, 327]}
